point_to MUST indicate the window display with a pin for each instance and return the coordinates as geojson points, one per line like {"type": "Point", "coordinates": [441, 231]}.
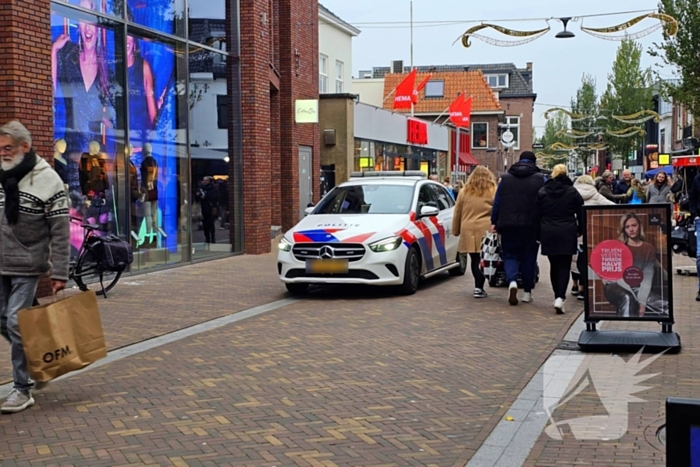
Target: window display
{"type": "Point", "coordinates": [162, 15]}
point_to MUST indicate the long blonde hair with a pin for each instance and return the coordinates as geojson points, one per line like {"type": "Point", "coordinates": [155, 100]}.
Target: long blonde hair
{"type": "Point", "coordinates": [480, 183]}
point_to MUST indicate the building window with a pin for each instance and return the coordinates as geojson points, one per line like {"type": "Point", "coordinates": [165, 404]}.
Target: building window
{"type": "Point", "coordinates": [339, 73]}
{"type": "Point", "coordinates": [435, 88]}
{"type": "Point", "coordinates": [498, 81]}
{"type": "Point", "coordinates": [480, 135]}
{"type": "Point", "coordinates": [323, 74]}
{"type": "Point", "coordinates": [512, 124]}
{"type": "Point", "coordinates": [222, 111]}
{"type": "Point", "coordinates": [662, 140]}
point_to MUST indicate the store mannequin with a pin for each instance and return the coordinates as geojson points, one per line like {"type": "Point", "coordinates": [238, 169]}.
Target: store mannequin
{"type": "Point", "coordinates": [149, 188]}
{"type": "Point", "coordinates": [96, 181]}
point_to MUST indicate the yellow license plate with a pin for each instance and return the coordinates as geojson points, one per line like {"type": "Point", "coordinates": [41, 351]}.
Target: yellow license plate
{"type": "Point", "coordinates": [327, 266]}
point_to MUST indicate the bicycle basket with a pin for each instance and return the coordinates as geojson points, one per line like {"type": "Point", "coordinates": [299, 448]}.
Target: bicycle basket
{"type": "Point", "coordinates": [113, 253]}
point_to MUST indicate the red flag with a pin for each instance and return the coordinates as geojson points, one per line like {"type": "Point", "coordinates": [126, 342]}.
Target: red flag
{"type": "Point", "coordinates": [403, 97]}
{"type": "Point", "coordinates": [460, 111]}
{"type": "Point", "coordinates": [420, 86]}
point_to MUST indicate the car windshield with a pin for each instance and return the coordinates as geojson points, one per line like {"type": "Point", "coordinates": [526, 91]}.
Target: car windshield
{"type": "Point", "coordinates": [367, 199]}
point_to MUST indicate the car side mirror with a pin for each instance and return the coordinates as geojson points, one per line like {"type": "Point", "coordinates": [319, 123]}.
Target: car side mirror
{"type": "Point", "coordinates": [309, 210]}
{"type": "Point", "coordinates": [429, 211]}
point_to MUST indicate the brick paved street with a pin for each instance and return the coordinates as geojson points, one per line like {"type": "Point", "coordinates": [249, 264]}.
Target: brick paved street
{"type": "Point", "coordinates": [678, 377]}
{"type": "Point", "coordinates": [348, 377]}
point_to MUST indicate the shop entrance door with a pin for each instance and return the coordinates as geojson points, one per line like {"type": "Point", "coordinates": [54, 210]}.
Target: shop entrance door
{"type": "Point", "coordinates": [305, 178]}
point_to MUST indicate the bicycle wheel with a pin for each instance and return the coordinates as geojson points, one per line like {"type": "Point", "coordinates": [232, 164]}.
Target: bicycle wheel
{"type": "Point", "coordinates": [87, 275]}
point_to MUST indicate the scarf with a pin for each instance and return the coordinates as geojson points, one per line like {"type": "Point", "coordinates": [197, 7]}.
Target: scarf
{"type": "Point", "coordinates": [9, 179]}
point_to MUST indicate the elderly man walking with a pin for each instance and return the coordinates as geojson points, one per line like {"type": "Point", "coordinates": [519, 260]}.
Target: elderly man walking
{"type": "Point", "coordinates": [34, 240]}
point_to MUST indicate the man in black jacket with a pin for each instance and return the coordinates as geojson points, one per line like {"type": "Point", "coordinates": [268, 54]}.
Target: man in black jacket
{"type": "Point", "coordinates": [513, 217]}
{"type": "Point", "coordinates": [208, 199]}
{"type": "Point", "coordinates": [694, 207]}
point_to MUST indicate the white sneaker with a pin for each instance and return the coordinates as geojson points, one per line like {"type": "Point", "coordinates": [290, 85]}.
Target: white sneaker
{"type": "Point", "coordinates": [527, 297]}
{"type": "Point", "coordinates": [559, 306]}
{"type": "Point", "coordinates": [513, 293]}
{"type": "Point", "coordinates": [17, 401]}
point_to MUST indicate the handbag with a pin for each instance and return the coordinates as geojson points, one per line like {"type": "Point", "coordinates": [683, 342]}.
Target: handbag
{"type": "Point", "coordinates": [635, 199]}
{"type": "Point", "coordinates": [490, 255]}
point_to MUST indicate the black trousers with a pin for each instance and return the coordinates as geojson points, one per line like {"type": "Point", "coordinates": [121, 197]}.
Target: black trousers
{"type": "Point", "coordinates": [479, 278]}
{"type": "Point", "coordinates": [559, 271]}
{"type": "Point", "coordinates": [209, 228]}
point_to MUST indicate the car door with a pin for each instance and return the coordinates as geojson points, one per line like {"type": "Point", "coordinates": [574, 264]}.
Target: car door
{"type": "Point", "coordinates": [444, 240]}
{"type": "Point", "coordinates": [428, 229]}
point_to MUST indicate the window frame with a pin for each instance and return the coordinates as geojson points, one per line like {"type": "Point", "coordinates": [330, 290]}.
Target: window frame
{"type": "Point", "coordinates": [473, 133]}
{"type": "Point", "coordinates": [515, 126]}
{"type": "Point", "coordinates": [435, 95]}
{"type": "Point", "coordinates": [339, 77]}
{"type": "Point", "coordinates": [322, 74]}
{"type": "Point", "coordinates": [442, 189]}
{"type": "Point", "coordinates": [497, 77]}
{"type": "Point", "coordinates": [222, 118]}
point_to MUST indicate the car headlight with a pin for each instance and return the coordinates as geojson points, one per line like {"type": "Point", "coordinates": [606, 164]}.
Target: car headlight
{"type": "Point", "coordinates": [284, 245]}
{"type": "Point", "coordinates": [388, 244]}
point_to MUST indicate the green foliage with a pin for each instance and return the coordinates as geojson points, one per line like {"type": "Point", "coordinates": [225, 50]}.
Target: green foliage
{"type": "Point", "coordinates": [628, 91]}
{"type": "Point", "coordinates": [681, 53]}
{"type": "Point", "coordinates": [555, 124]}
{"type": "Point", "coordinates": [586, 103]}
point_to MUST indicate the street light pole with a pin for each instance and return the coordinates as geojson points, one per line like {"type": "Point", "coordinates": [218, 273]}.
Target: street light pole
{"type": "Point", "coordinates": [411, 6]}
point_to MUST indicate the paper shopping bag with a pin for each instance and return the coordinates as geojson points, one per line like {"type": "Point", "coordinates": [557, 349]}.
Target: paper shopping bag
{"type": "Point", "coordinates": [62, 336]}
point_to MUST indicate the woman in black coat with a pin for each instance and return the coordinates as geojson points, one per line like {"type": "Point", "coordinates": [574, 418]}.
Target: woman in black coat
{"type": "Point", "coordinates": [558, 217]}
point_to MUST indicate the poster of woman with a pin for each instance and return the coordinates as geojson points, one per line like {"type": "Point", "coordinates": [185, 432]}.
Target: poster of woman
{"type": "Point", "coordinates": [629, 258]}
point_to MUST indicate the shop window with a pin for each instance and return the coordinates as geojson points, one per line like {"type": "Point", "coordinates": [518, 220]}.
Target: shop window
{"type": "Point", "coordinates": [88, 121]}
{"type": "Point", "coordinates": [207, 22]}
{"type": "Point", "coordinates": [435, 88]}
{"type": "Point", "coordinates": [480, 135]}
{"type": "Point", "coordinates": [161, 15]}
{"type": "Point", "coordinates": [107, 7]}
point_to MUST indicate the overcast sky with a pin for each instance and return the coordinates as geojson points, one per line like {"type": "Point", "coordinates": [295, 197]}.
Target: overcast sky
{"type": "Point", "coordinates": [558, 64]}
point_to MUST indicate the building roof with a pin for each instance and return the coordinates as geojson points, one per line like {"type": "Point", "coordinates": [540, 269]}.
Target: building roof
{"type": "Point", "coordinates": [336, 20]}
{"type": "Point", "coordinates": [472, 83]}
{"type": "Point", "coordinates": [211, 32]}
{"type": "Point", "coordinates": [520, 79]}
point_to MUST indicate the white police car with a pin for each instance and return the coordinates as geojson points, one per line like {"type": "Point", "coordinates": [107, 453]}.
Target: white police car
{"type": "Point", "coordinates": [378, 228]}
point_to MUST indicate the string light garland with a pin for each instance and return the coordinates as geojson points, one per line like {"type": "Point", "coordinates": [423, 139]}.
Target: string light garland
{"type": "Point", "coordinates": [669, 24]}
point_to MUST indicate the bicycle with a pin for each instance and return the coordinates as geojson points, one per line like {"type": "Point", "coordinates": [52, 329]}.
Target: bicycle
{"type": "Point", "coordinates": [86, 270]}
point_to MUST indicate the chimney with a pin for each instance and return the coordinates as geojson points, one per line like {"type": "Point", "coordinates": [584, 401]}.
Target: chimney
{"type": "Point", "coordinates": [529, 66]}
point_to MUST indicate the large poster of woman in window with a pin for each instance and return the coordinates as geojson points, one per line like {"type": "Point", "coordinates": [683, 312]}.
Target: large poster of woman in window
{"type": "Point", "coordinates": [83, 64]}
{"type": "Point", "coordinates": [628, 262]}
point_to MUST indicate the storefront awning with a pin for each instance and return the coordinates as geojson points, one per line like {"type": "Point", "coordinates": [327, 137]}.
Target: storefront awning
{"type": "Point", "coordinates": [466, 158]}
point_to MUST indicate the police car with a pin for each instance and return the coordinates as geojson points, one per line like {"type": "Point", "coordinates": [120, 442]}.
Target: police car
{"type": "Point", "coordinates": [378, 228]}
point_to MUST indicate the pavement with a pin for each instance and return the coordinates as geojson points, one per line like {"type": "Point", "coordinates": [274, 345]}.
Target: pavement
{"type": "Point", "coordinates": [213, 364]}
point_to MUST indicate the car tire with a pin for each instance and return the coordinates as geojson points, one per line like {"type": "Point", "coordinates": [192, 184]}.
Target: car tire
{"type": "Point", "coordinates": [297, 288]}
{"type": "Point", "coordinates": [411, 274]}
{"type": "Point", "coordinates": [462, 268]}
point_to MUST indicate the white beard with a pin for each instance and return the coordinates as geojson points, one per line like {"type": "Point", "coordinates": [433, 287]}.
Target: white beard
{"type": "Point", "coordinates": [10, 165]}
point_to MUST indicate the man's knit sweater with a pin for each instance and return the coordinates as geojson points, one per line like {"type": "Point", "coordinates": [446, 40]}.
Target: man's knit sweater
{"type": "Point", "coordinates": [39, 242]}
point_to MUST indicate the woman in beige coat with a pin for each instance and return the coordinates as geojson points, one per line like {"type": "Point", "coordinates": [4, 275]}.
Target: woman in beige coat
{"type": "Point", "coordinates": [472, 219]}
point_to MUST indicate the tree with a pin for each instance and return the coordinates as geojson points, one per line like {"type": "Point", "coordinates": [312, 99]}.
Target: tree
{"type": "Point", "coordinates": [629, 91]}
{"type": "Point", "coordinates": [586, 103]}
{"type": "Point", "coordinates": [681, 53]}
{"type": "Point", "coordinates": [554, 125]}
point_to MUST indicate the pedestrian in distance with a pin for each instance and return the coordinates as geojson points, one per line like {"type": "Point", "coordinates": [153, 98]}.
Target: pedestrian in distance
{"type": "Point", "coordinates": [659, 191]}
{"type": "Point", "coordinates": [558, 216]}
{"type": "Point", "coordinates": [472, 219]}
{"type": "Point", "coordinates": [694, 207]}
{"type": "Point", "coordinates": [34, 241]}
{"type": "Point", "coordinates": [604, 185]}
{"type": "Point", "coordinates": [513, 217]}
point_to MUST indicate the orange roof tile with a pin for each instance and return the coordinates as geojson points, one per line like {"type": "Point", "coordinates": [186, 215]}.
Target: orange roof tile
{"type": "Point", "coordinates": [472, 82]}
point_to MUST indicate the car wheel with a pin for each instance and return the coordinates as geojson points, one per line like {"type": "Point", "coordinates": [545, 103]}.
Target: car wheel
{"type": "Point", "coordinates": [297, 289]}
{"type": "Point", "coordinates": [411, 275]}
{"type": "Point", "coordinates": [462, 268]}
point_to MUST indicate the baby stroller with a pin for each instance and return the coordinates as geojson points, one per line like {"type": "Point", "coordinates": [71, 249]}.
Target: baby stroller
{"type": "Point", "coordinates": [492, 265]}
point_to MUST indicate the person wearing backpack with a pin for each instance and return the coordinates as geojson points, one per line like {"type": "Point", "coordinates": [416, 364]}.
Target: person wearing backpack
{"type": "Point", "coordinates": [34, 241]}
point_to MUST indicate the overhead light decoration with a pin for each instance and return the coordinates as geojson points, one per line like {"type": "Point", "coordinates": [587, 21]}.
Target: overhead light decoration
{"type": "Point", "coordinates": [669, 24]}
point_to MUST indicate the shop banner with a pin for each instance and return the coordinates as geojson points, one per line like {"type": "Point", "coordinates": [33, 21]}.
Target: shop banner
{"type": "Point", "coordinates": [403, 97]}
{"type": "Point", "coordinates": [629, 260]}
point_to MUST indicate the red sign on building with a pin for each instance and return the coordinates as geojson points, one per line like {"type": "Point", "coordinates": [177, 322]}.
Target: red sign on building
{"type": "Point", "coordinates": [417, 132]}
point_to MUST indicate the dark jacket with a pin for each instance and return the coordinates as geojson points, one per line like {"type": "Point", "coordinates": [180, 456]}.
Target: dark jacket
{"type": "Point", "coordinates": [606, 190]}
{"type": "Point", "coordinates": [621, 188]}
{"type": "Point", "coordinates": [694, 204]}
{"type": "Point", "coordinates": [558, 212]}
{"type": "Point", "coordinates": [514, 206]}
